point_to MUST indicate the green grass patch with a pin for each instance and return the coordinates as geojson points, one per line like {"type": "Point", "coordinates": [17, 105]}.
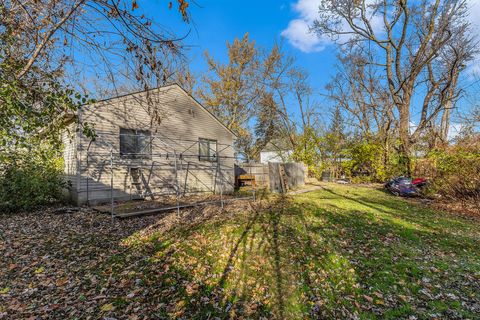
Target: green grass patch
{"type": "Point", "coordinates": [340, 252]}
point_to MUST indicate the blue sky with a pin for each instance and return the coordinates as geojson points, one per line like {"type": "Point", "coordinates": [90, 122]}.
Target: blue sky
{"type": "Point", "coordinates": [215, 22]}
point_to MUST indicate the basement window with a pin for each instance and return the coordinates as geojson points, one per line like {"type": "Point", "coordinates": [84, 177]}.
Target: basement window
{"type": "Point", "coordinates": [207, 150]}
{"type": "Point", "coordinates": [135, 144]}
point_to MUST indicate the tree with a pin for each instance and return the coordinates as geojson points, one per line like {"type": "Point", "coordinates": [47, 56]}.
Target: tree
{"type": "Point", "coordinates": [336, 132]}
{"type": "Point", "coordinates": [116, 30]}
{"type": "Point", "coordinates": [310, 150]}
{"type": "Point", "coordinates": [291, 95]}
{"type": "Point", "coordinates": [255, 93]}
{"type": "Point", "coordinates": [46, 45]}
{"type": "Point", "coordinates": [413, 37]}
{"type": "Point", "coordinates": [359, 91]}
{"type": "Point", "coordinates": [230, 90]}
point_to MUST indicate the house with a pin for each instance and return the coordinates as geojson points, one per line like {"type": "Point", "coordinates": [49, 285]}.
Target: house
{"type": "Point", "coordinates": [149, 144]}
{"type": "Point", "coordinates": [276, 151]}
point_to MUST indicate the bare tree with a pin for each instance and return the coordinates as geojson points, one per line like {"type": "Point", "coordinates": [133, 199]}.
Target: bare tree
{"type": "Point", "coordinates": [358, 90]}
{"type": "Point", "coordinates": [256, 93]}
{"type": "Point", "coordinates": [412, 37]}
{"type": "Point", "coordinates": [48, 47]}
{"type": "Point", "coordinates": [92, 37]}
{"type": "Point", "coordinates": [280, 79]}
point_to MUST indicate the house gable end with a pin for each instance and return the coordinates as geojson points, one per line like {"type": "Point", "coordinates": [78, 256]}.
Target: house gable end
{"type": "Point", "coordinates": [113, 100]}
{"type": "Point", "coordinates": [200, 106]}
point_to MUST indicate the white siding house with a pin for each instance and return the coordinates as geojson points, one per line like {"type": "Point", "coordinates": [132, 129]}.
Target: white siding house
{"type": "Point", "coordinates": [150, 143]}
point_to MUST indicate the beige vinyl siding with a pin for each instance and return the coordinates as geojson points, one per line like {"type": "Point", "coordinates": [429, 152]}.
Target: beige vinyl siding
{"type": "Point", "coordinates": [177, 122]}
{"type": "Point", "coordinates": [69, 142]}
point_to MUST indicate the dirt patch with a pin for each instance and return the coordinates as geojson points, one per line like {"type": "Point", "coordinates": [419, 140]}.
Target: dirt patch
{"type": "Point", "coordinates": [469, 208]}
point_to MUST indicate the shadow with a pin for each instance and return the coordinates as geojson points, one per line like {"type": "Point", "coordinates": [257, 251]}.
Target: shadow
{"type": "Point", "coordinates": [234, 251]}
{"type": "Point", "coordinates": [287, 258]}
{"type": "Point", "coordinates": [400, 215]}
{"type": "Point", "coordinates": [275, 221]}
{"type": "Point", "coordinates": [262, 233]}
{"type": "Point", "coordinates": [321, 255]}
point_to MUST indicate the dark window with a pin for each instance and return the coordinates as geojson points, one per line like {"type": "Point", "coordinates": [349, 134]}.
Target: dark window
{"type": "Point", "coordinates": [207, 149]}
{"type": "Point", "coordinates": [135, 143]}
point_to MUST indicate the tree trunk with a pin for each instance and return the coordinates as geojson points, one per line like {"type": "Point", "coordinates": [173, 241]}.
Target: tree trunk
{"type": "Point", "coordinates": [386, 151]}
{"type": "Point", "coordinates": [445, 125]}
{"type": "Point", "coordinates": [404, 135]}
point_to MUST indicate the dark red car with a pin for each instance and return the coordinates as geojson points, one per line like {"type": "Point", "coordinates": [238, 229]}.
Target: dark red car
{"type": "Point", "coordinates": [405, 187]}
{"type": "Point", "coordinates": [419, 182]}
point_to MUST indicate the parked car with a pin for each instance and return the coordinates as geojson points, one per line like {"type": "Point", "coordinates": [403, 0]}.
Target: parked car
{"type": "Point", "coordinates": [402, 186]}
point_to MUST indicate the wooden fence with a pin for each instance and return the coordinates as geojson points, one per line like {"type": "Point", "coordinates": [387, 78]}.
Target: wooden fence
{"type": "Point", "coordinates": [272, 175]}
{"type": "Point", "coordinates": [258, 171]}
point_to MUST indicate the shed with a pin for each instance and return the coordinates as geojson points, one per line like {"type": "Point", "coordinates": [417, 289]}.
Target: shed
{"type": "Point", "coordinates": [278, 150]}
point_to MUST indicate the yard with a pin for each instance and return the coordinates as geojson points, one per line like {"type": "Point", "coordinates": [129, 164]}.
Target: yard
{"type": "Point", "coordinates": [339, 252]}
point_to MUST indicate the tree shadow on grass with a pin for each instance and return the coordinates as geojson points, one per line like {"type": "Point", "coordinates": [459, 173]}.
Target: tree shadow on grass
{"type": "Point", "coordinates": [432, 226]}
{"type": "Point", "coordinates": [282, 259]}
{"type": "Point", "coordinates": [401, 264]}
{"type": "Point", "coordinates": [261, 264]}
{"type": "Point", "coordinates": [252, 264]}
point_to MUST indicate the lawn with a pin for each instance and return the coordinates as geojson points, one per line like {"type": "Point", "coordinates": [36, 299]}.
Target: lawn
{"type": "Point", "coordinates": [339, 252]}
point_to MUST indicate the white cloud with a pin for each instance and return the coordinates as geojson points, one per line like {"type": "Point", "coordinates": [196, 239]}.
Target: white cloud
{"type": "Point", "coordinates": [474, 14]}
{"type": "Point", "coordinates": [308, 9]}
{"type": "Point", "coordinates": [299, 35]}
{"type": "Point", "coordinates": [298, 31]}
{"type": "Point", "coordinates": [412, 127]}
{"type": "Point", "coordinates": [454, 130]}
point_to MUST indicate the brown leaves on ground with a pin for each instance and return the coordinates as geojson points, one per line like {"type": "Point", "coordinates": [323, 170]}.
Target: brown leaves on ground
{"type": "Point", "coordinates": [62, 264]}
{"type": "Point", "coordinates": [334, 253]}
{"type": "Point", "coordinates": [467, 208]}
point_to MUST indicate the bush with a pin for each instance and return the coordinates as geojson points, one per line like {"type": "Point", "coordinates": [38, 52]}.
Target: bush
{"type": "Point", "coordinates": [308, 151]}
{"type": "Point", "coordinates": [367, 163]}
{"type": "Point", "coordinates": [30, 179]}
{"type": "Point", "coordinates": [457, 171]}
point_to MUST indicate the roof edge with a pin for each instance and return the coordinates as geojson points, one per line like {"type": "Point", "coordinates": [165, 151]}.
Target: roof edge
{"type": "Point", "coordinates": [162, 87]}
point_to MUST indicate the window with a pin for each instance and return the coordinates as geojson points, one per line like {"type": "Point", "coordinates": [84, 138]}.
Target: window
{"type": "Point", "coordinates": [135, 143]}
{"type": "Point", "coordinates": [207, 149]}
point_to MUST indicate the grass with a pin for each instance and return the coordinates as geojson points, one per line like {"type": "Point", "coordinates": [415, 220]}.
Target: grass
{"type": "Point", "coordinates": [339, 252]}
{"type": "Point", "coordinates": [342, 252]}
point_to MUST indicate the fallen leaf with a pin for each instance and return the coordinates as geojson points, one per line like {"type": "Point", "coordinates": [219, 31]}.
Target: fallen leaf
{"type": "Point", "coordinates": [107, 307]}
{"type": "Point", "coordinates": [40, 270]}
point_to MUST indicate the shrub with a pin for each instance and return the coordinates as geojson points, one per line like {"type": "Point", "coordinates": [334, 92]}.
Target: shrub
{"type": "Point", "coordinates": [367, 164]}
{"type": "Point", "coordinates": [309, 152]}
{"type": "Point", "coordinates": [457, 171]}
{"type": "Point", "coordinates": [30, 179]}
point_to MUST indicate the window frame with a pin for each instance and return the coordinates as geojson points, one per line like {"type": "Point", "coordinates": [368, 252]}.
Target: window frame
{"type": "Point", "coordinates": [137, 134]}
{"type": "Point", "coordinates": [209, 157]}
